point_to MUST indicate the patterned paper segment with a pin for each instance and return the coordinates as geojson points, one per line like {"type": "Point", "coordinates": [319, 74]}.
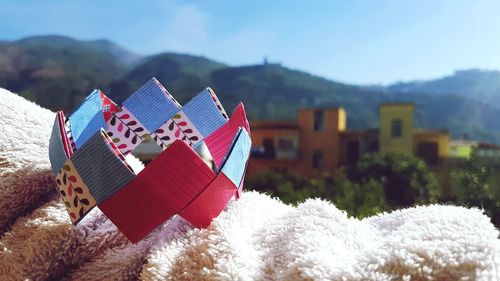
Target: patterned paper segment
{"type": "Point", "coordinates": [112, 146]}
{"type": "Point", "coordinates": [74, 192]}
{"type": "Point", "coordinates": [125, 138]}
{"type": "Point", "coordinates": [126, 131]}
{"type": "Point", "coordinates": [185, 124]}
{"type": "Point", "coordinates": [168, 133]}
{"type": "Point", "coordinates": [109, 107]}
{"type": "Point", "coordinates": [64, 136]}
{"type": "Point", "coordinates": [71, 140]}
{"type": "Point", "coordinates": [132, 122]}
{"type": "Point", "coordinates": [218, 103]}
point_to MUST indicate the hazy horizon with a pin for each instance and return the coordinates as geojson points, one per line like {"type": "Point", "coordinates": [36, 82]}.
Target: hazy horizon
{"type": "Point", "coordinates": [354, 42]}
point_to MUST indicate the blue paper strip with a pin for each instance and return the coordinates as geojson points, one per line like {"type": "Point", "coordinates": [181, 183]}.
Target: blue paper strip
{"type": "Point", "coordinates": [87, 119]}
{"type": "Point", "coordinates": [204, 114]}
{"type": "Point", "coordinates": [57, 155]}
{"type": "Point", "coordinates": [151, 105]}
{"type": "Point", "coordinates": [236, 159]}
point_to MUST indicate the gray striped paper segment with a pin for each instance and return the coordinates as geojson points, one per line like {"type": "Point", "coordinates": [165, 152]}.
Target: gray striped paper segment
{"type": "Point", "coordinates": [204, 114]}
{"type": "Point", "coordinates": [151, 105]}
{"type": "Point", "coordinates": [57, 155]}
{"type": "Point", "coordinates": [100, 168]}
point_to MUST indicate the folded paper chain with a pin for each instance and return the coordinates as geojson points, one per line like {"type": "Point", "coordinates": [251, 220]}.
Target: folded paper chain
{"type": "Point", "coordinates": [87, 153]}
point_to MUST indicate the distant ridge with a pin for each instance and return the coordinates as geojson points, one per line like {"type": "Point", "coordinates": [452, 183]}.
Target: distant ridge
{"type": "Point", "coordinates": [477, 84]}
{"type": "Point", "coordinates": [58, 71]}
{"type": "Point", "coordinates": [101, 45]}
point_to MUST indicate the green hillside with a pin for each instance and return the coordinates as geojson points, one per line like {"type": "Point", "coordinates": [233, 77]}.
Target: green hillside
{"type": "Point", "coordinates": [460, 115]}
{"type": "Point", "coordinates": [58, 72]}
{"type": "Point", "coordinates": [277, 92]}
{"type": "Point", "coordinates": [183, 75]}
{"type": "Point", "coordinates": [476, 84]}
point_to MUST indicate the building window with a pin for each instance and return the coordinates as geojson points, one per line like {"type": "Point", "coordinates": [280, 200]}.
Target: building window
{"type": "Point", "coordinates": [396, 128]}
{"type": "Point", "coordinates": [429, 152]}
{"type": "Point", "coordinates": [352, 152]}
{"type": "Point", "coordinates": [319, 120]}
{"type": "Point", "coordinates": [287, 146]}
{"type": "Point", "coordinates": [268, 144]}
{"type": "Point", "coordinates": [317, 160]}
{"type": "Point", "coordinates": [286, 143]}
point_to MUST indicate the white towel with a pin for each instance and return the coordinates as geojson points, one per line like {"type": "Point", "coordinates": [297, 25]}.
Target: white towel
{"type": "Point", "coordinates": [255, 238]}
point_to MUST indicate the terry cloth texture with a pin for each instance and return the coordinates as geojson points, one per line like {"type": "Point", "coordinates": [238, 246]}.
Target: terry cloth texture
{"type": "Point", "coordinates": [255, 238]}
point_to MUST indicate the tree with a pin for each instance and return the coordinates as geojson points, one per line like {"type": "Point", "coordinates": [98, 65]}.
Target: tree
{"type": "Point", "coordinates": [406, 179]}
{"type": "Point", "coordinates": [359, 199]}
{"type": "Point", "coordinates": [289, 188]}
{"type": "Point", "coordinates": [378, 183]}
{"type": "Point", "coordinates": [477, 184]}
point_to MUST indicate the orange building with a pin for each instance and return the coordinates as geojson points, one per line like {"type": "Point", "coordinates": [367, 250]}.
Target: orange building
{"type": "Point", "coordinates": [318, 142]}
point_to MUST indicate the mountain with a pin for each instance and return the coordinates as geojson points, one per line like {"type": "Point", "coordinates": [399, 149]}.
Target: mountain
{"type": "Point", "coordinates": [58, 72]}
{"type": "Point", "coordinates": [183, 75]}
{"type": "Point", "coordinates": [277, 92]}
{"type": "Point", "coordinates": [268, 90]}
{"type": "Point", "coordinates": [476, 84]}
{"type": "Point", "coordinates": [460, 115]}
{"type": "Point", "coordinates": [100, 46]}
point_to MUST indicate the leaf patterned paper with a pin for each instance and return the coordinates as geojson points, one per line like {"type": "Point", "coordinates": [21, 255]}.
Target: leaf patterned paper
{"type": "Point", "coordinates": [177, 181]}
{"type": "Point", "coordinates": [74, 192]}
{"type": "Point", "coordinates": [168, 133]}
{"type": "Point", "coordinates": [126, 131]}
{"type": "Point", "coordinates": [192, 134]}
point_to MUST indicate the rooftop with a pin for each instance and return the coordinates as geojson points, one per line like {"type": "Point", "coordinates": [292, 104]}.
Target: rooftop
{"type": "Point", "coordinates": [275, 124]}
{"type": "Point", "coordinates": [430, 131]}
{"type": "Point", "coordinates": [397, 104]}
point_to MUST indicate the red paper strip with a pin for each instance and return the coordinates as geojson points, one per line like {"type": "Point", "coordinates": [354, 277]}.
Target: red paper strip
{"type": "Point", "coordinates": [68, 149]}
{"type": "Point", "coordinates": [136, 210]}
{"type": "Point", "coordinates": [210, 203]}
{"type": "Point", "coordinates": [108, 108]}
{"type": "Point", "coordinates": [178, 175]}
{"type": "Point", "coordinates": [219, 141]}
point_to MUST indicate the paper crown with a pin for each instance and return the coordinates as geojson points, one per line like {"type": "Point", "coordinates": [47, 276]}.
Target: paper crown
{"type": "Point", "coordinates": [87, 153]}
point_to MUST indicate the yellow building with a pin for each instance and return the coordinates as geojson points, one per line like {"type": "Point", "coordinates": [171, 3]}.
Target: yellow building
{"type": "Point", "coordinates": [465, 148]}
{"type": "Point", "coordinates": [396, 128]}
{"type": "Point", "coordinates": [318, 142]}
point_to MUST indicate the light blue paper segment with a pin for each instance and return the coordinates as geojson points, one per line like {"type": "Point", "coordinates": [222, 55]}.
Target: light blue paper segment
{"type": "Point", "coordinates": [57, 155]}
{"type": "Point", "coordinates": [204, 114]}
{"type": "Point", "coordinates": [87, 119]}
{"type": "Point", "coordinates": [235, 163]}
{"type": "Point", "coordinates": [151, 105]}
{"type": "Point", "coordinates": [100, 168]}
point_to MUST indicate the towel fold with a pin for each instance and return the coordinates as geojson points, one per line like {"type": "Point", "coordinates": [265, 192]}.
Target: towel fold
{"type": "Point", "coordinates": [255, 238]}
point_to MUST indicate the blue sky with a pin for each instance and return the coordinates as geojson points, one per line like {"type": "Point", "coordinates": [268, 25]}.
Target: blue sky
{"type": "Point", "coordinates": [352, 41]}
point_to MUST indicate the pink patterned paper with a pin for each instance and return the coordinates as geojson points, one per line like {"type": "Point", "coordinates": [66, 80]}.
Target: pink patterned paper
{"type": "Point", "coordinates": [192, 134]}
{"type": "Point", "coordinates": [126, 131]}
{"type": "Point", "coordinates": [168, 133]}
